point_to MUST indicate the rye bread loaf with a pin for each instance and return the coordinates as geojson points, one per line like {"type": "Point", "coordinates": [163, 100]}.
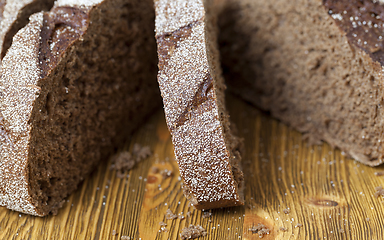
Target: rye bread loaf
{"type": "Point", "coordinates": [74, 84]}
{"type": "Point", "coordinates": [316, 65]}
{"type": "Point", "coordinates": [193, 95]}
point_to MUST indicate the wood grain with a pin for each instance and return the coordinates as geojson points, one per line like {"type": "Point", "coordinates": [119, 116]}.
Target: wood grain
{"type": "Point", "coordinates": [330, 195]}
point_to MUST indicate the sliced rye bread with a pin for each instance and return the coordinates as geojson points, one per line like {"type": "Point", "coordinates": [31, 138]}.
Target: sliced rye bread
{"type": "Point", "coordinates": [74, 84]}
{"type": "Point", "coordinates": [193, 95]}
{"type": "Point", "coordinates": [14, 15]}
{"type": "Point", "coordinates": [316, 65]}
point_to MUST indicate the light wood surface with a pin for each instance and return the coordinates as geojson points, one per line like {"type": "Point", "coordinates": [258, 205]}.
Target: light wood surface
{"type": "Point", "coordinates": [329, 194]}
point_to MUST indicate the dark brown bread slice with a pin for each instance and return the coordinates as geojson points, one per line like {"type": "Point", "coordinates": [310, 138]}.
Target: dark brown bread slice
{"type": "Point", "coordinates": [316, 65]}
{"type": "Point", "coordinates": [14, 15]}
{"type": "Point", "coordinates": [74, 84]}
{"type": "Point", "coordinates": [193, 95]}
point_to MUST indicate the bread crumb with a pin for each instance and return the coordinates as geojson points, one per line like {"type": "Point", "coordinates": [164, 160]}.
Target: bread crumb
{"type": "Point", "coordinates": [192, 232]}
{"type": "Point", "coordinates": [379, 173]}
{"type": "Point", "coordinates": [341, 230]}
{"type": "Point", "coordinates": [379, 191]}
{"type": "Point", "coordinates": [114, 233]}
{"type": "Point", "coordinates": [299, 225]}
{"type": "Point", "coordinates": [188, 214]}
{"type": "Point", "coordinates": [368, 219]}
{"type": "Point", "coordinates": [125, 238]}
{"type": "Point", "coordinates": [283, 229]}
{"type": "Point", "coordinates": [207, 214]}
{"type": "Point", "coordinates": [169, 215]}
{"type": "Point", "coordinates": [140, 152]}
{"type": "Point", "coordinates": [181, 216]}
{"type": "Point", "coordinates": [125, 161]}
{"type": "Point", "coordinates": [155, 170]}
{"type": "Point", "coordinates": [260, 229]}
{"type": "Point", "coordinates": [166, 173]}
{"type": "Point", "coordinates": [286, 211]}
{"type": "Point", "coordinates": [164, 229]}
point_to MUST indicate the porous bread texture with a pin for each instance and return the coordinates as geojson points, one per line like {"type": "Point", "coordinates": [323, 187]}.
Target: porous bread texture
{"type": "Point", "coordinates": [193, 95]}
{"type": "Point", "coordinates": [14, 15]}
{"type": "Point", "coordinates": [291, 58]}
{"type": "Point", "coordinates": [75, 83]}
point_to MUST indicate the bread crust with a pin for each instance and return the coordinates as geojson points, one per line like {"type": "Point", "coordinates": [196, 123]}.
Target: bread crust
{"type": "Point", "coordinates": [19, 90]}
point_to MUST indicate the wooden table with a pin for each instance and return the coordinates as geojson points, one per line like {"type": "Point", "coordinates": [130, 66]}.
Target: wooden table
{"type": "Point", "coordinates": [330, 195]}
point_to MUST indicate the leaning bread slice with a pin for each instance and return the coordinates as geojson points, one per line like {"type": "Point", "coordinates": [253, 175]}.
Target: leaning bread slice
{"type": "Point", "coordinates": [193, 95]}
{"type": "Point", "coordinates": [74, 84]}
{"type": "Point", "coordinates": [14, 15]}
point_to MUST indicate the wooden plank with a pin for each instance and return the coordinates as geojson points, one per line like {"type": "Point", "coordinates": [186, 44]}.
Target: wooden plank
{"type": "Point", "coordinates": [329, 194]}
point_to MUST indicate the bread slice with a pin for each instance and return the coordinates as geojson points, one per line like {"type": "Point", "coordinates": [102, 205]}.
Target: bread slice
{"type": "Point", "coordinates": [74, 84]}
{"type": "Point", "coordinates": [14, 15]}
{"type": "Point", "coordinates": [316, 65]}
{"type": "Point", "coordinates": [193, 95]}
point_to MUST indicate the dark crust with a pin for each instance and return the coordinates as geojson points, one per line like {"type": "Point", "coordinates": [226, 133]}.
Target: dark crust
{"type": "Point", "coordinates": [167, 42]}
{"type": "Point", "coordinates": [22, 19]}
{"type": "Point", "coordinates": [199, 98]}
{"type": "Point", "coordinates": [362, 21]}
{"type": "Point", "coordinates": [62, 27]}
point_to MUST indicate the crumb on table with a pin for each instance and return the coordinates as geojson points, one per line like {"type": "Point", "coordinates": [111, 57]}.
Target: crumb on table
{"type": "Point", "coordinates": [207, 214]}
{"type": "Point", "coordinates": [260, 229]}
{"type": "Point", "coordinates": [379, 191]}
{"type": "Point", "coordinates": [286, 211]}
{"type": "Point", "coordinates": [169, 215]}
{"type": "Point", "coordinates": [192, 232]}
{"type": "Point", "coordinates": [181, 216]}
{"type": "Point", "coordinates": [125, 161]}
